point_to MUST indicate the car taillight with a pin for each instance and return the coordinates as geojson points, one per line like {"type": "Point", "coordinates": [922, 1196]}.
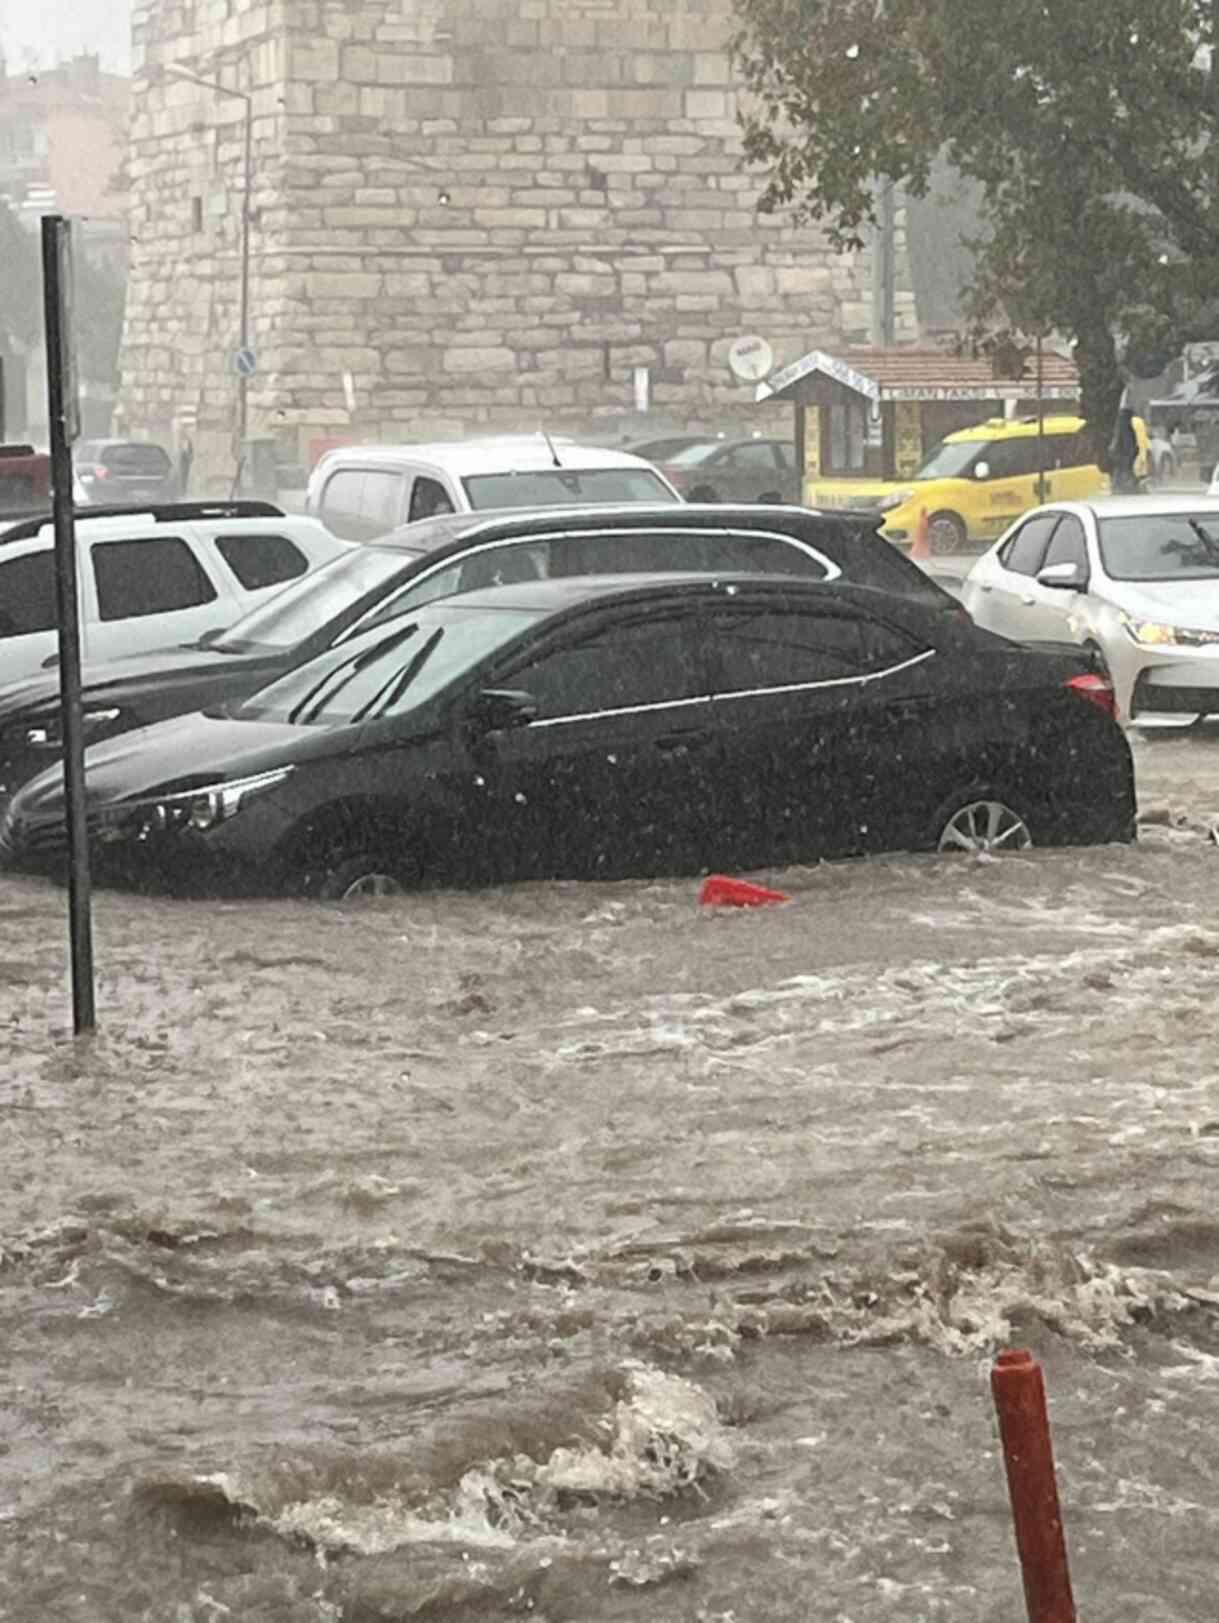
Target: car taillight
{"type": "Point", "coordinates": [1098, 690]}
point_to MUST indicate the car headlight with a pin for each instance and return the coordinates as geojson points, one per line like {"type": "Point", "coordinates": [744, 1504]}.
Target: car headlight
{"type": "Point", "coordinates": [897, 498]}
{"type": "Point", "coordinates": [1155, 634]}
{"type": "Point", "coordinates": [48, 735]}
{"type": "Point", "coordinates": [201, 808]}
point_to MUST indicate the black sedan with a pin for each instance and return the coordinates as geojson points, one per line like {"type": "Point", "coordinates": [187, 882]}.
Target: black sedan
{"type": "Point", "coordinates": [433, 558]}
{"type": "Point", "coordinates": [607, 727]}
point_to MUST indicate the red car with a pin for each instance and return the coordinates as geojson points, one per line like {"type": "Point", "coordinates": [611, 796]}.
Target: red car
{"type": "Point", "coordinates": [25, 481]}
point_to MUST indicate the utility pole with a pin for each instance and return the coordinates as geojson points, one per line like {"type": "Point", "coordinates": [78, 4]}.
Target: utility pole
{"type": "Point", "coordinates": [884, 268]}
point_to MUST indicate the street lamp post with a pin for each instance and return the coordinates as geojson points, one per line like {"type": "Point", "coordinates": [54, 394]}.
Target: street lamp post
{"type": "Point", "coordinates": [243, 381]}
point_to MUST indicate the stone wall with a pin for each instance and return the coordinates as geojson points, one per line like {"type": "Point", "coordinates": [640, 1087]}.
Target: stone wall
{"type": "Point", "coordinates": [466, 214]}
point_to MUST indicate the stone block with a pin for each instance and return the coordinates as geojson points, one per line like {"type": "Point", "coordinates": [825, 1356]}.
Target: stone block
{"type": "Point", "coordinates": [495, 359]}
{"type": "Point", "coordinates": [342, 285]}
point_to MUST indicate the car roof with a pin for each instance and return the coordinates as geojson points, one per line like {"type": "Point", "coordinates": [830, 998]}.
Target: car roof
{"type": "Point", "coordinates": [552, 596]}
{"type": "Point", "coordinates": [1019, 428]}
{"type": "Point", "coordinates": [1133, 506]}
{"type": "Point", "coordinates": [525, 453]}
{"type": "Point", "coordinates": [425, 535]}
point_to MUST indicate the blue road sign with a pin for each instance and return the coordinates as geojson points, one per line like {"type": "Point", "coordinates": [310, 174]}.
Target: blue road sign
{"type": "Point", "coordinates": [245, 363]}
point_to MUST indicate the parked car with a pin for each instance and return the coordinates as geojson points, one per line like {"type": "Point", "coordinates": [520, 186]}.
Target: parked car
{"type": "Point", "coordinates": [110, 472]}
{"type": "Point", "coordinates": [147, 578]}
{"type": "Point", "coordinates": [25, 481]}
{"type": "Point", "coordinates": [660, 450]}
{"type": "Point", "coordinates": [599, 726]}
{"type": "Point", "coordinates": [981, 479]}
{"type": "Point", "coordinates": [742, 470]}
{"type": "Point", "coordinates": [437, 558]}
{"type": "Point", "coordinates": [1134, 578]}
{"type": "Point", "coordinates": [364, 491]}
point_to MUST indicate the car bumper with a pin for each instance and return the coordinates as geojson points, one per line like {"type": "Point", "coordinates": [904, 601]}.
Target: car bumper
{"type": "Point", "coordinates": [1177, 691]}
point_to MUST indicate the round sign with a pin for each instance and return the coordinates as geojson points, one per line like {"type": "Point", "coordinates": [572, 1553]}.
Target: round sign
{"type": "Point", "coordinates": [245, 363]}
{"type": "Point", "coordinates": [750, 358]}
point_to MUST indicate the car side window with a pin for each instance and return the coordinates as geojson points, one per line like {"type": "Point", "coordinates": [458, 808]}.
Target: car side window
{"type": "Point", "coordinates": [622, 552]}
{"type": "Point", "coordinates": [156, 575]}
{"type": "Point", "coordinates": [27, 594]}
{"type": "Point", "coordinates": [428, 498]}
{"type": "Point", "coordinates": [381, 498]}
{"type": "Point", "coordinates": [1013, 459]}
{"type": "Point", "coordinates": [755, 456]}
{"type": "Point", "coordinates": [1068, 545]}
{"type": "Point", "coordinates": [1024, 552]}
{"type": "Point", "coordinates": [619, 668]}
{"type": "Point", "coordinates": [785, 455]}
{"type": "Point", "coordinates": [262, 560]}
{"type": "Point", "coordinates": [340, 506]}
{"type": "Point", "coordinates": [765, 648]}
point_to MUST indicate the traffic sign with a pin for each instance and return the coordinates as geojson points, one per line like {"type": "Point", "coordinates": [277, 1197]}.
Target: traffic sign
{"type": "Point", "coordinates": [245, 363]}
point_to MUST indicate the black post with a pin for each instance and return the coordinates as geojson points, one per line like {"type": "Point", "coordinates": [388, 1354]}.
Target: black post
{"type": "Point", "coordinates": [61, 400]}
{"type": "Point", "coordinates": [1040, 419]}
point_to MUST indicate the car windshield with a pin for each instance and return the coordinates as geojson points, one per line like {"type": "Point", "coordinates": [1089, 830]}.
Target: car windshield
{"type": "Point", "coordinates": [1161, 546]}
{"type": "Point", "coordinates": [149, 460]}
{"type": "Point", "coordinates": [559, 487]}
{"type": "Point", "coordinates": [691, 455]}
{"type": "Point", "coordinates": [949, 461]}
{"type": "Point", "coordinates": [388, 670]}
{"type": "Point", "coordinates": [305, 606]}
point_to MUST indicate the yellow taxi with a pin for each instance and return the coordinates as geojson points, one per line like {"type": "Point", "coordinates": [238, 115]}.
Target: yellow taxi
{"type": "Point", "coordinates": [978, 480]}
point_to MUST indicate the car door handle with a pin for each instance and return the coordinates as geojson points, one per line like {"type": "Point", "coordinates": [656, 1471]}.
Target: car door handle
{"type": "Point", "coordinates": [985, 586]}
{"type": "Point", "coordinates": [672, 743]}
{"type": "Point", "coordinates": [1030, 602]}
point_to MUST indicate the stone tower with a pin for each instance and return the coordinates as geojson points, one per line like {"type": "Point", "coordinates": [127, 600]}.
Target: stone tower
{"type": "Point", "coordinates": [463, 214]}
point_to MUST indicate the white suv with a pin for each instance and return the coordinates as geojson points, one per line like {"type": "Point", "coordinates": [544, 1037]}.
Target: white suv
{"type": "Point", "coordinates": [150, 578]}
{"type": "Point", "coordinates": [364, 491]}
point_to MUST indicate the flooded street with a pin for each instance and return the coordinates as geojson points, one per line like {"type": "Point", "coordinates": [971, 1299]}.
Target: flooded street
{"type": "Point", "coordinates": [568, 1252]}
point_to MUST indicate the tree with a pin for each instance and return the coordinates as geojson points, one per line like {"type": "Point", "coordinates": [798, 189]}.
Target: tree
{"type": "Point", "coordinates": [1089, 128]}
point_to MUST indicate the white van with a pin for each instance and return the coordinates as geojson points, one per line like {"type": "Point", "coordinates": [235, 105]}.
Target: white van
{"type": "Point", "coordinates": [147, 578]}
{"type": "Point", "coordinates": [363, 491]}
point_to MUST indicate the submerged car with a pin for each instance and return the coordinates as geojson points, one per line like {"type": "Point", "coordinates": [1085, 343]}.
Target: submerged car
{"type": "Point", "coordinates": [604, 727]}
{"type": "Point", "coordinates": [1134, 580]}
{"type": "Point", "coordinates": [436, 558]}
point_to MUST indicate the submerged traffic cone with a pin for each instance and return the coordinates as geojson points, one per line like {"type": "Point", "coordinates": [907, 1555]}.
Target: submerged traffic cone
{"type": "Point", "coordinates": [720, 891]}
{"type": "Point", "coordinates": [920, 549]}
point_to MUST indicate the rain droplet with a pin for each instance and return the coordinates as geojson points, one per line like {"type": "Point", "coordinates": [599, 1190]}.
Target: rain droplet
{"type": "Point", "coordinates": [852, 53]}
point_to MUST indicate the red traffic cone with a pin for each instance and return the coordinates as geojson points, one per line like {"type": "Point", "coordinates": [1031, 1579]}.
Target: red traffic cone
{"type": "Point", "coordinates": [720, 891]}
{"type": "Point", "coordinates": [920, 549]}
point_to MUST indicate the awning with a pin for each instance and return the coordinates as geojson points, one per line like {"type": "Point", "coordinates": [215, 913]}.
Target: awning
{"type": "Point", "coordinates": [922, 374]}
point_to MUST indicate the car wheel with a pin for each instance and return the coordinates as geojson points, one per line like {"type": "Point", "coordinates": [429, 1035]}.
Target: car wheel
{"type": "Point", "coordinates": [946, 533]}
{"type": "Point", "coordinates": [704, 493]}
{"type": "Point", "coordinates": [352, 878]}
{"type": "Point", "coordinates": [982, 822]}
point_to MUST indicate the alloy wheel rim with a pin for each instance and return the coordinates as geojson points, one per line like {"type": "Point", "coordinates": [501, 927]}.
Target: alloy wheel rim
{"type": "Point", "coordinates": [985, 825]}
{"type": "Point", "coordinates": [372, 884]}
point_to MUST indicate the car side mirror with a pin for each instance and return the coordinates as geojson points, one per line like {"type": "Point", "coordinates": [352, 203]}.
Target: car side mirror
{"type": "Point", "coordinates": [981, 470]}
{"type": "Point", "coordinates": [1062, 577]}
{"type": "Point", "coordinates": [497, 710]}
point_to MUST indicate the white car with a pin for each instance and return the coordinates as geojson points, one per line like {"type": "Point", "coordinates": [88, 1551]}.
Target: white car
{"type": "Point", "coordinates": [151, 578]}
{"type": "Point", "coordinates": [1135, 578]}
{"type": "Point", "coordinates": [364, 491]}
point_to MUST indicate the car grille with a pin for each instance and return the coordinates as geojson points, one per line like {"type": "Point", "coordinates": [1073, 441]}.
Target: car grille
{"type": "Point", "coordinates": [27, 840]}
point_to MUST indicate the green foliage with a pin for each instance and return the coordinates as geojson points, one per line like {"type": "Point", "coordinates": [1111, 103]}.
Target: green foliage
{"type": "Point", "coordinates": [1088, 127]}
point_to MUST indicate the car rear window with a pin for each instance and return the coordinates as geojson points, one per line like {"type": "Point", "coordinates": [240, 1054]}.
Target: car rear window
{"type": "Point", "coordinates": [554, 487]}
{"type": "Point", "coordinates": [262, 560]}
{"type": "Point", "coordinates": [156, 575]}
{"type": "Point", "coordinates": [147, 460]}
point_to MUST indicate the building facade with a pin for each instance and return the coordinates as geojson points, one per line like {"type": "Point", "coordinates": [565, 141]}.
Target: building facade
{"type": "Point", "coordinates": [462, 215]}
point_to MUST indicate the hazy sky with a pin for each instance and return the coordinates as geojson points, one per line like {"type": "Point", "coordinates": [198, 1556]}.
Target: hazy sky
{"type": "Point", "coordinates": [44, 32]}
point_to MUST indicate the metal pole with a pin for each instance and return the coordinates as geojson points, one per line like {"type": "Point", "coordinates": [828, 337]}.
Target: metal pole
{"type": "Point", "coordinates": [1040, 421]}
{"type": "Point", "coordinates": [888, 292]}
{"type": "Point", "coordinates": [243, 383]}
{"type": "Point", "coordinates": [54, 257]}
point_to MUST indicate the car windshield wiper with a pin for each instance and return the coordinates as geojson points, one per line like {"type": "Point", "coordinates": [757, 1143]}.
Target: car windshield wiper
{"type": "Point", "coordinates": [318, 697]}
{"type": "Point", "coordinates": [397, 685]}
{"type": "Point", "coordinates": [1209, 544]}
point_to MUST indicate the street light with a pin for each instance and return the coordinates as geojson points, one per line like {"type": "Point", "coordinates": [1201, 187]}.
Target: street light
{"type": "Point", "coordinates": [179, 72]}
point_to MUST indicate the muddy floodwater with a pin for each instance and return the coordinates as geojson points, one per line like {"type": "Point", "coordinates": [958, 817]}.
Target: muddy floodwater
{"type": "Point", "coordinates": [566, 1252]}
